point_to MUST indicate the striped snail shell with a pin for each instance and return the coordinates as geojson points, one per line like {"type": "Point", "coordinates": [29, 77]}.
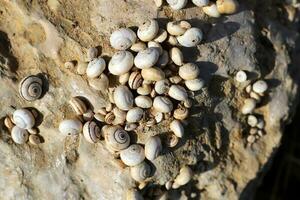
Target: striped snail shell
{"type": "Point", "coordinates": [31, 88]}
{"type": "Point", "coordinates": [140, 172]}
{"type": "Point", "coordinates": [116, 138]}
{"type": "Point", "coordinates": [91, 132]}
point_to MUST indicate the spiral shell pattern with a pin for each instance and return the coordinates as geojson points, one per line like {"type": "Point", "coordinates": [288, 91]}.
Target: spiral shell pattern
{"type": "Point", "coordinates": [116, 138]}
{"type": "Point", "coordinates": [23, 118]}
{"type": "Point", "coordinates": [140, 172]}
{"type": "Point", "coordinates": [31, 88]}
{"type": "Point", "coordinates": [133, 155]}
{"type": "Point", "coordinates": [91, 132]}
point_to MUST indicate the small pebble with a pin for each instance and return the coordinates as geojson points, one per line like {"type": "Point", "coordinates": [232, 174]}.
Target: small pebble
{"type": "Point", "coordinates": [260, 86]}
{"type": "Point", "coordinates": [252, 120]}
{"type": "Point", "coordinates": [81, 67]}
{"type": "Point", "coordinates": [251, 139]}
{"type": "Point", "coordinates": [92, 53]}
{"type": "Point", "coordinates": [168, 185]}
{"type": "Point", "coordinates": [253, 131]}
{"type": "Point", "coordinates": [34, 139]}
{"type": "Point", "coordinates": [241, 76]}
{"type": "Point", "coordinates": [248, 89]}
{"type": "Point", "coordinates": [260, 133]}
{"type": "Point", "coordinates": [249, 106]}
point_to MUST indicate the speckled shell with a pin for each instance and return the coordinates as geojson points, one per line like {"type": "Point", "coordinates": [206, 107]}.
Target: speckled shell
{"type": "Point", "coordinates": [78, 105]}
{"type": "Point", "coordinates": [148, 30]}
{"type": "Point", "coordinates": [184, 176]}
{"type": "Point", "coordinates": [133, 155]}
{"type": "Point", "coordinates": [70, 127]}
{"type": "Point", "coordinates": [19, 135]}
{"type": "Point", "coordinates": [162, 104]}
{"type": "Point", "coordinates": [31, 88]}
{"type": "Point", "coordinates": [178, 92]}
{"type": "Point", "coordinates": [122, 39]}
{"type": "Point", "coordinates": [23, 118]}
{"type": "Point", "coordinates": [176, 56]}
{"type": "Point", "coordinates": [146, 58]}
{"type": "Point", "coordinates": [177, 4]}
{"type": "Point", "coordinates": [140, 172]}
{"type": "Point", "coordinates": [162, 87]}
{"type": "Point", "coordinates": [120, 63]}
{"type": "Point", "coordinates": [153, 147]}
{"type": "Point", "coordinates": [227, 6]}
{"type": "Point", "coordinates": [123, 98]}
{"type": "Point", "coordinates": [135, 80]}
{"type": "Point", "coordinates": [211, 10]}
{"type": "Point", "coordinates": [91, 132]}
{"type": "Point", "coordinates": [177, 128]}
{"type": "Point", "coordinates": [191, 38]}
{"type": "Point", "coordinates": [195, 84]}
{"type": "Point", "coordinates": [200, 3]}
{"type": "Point", "coordinates": [134, 115]}
{"type": "Point", "coordinates": [95, 67]}
{"type": "Point", "coordinates": [189, 71]}
{"type": "Point", "coordinates": [143, 102]}
{"type": "Point", "coordinates": [116, 138]}
{"type": "Point", "coordinates": [177, 28]}
{"type": "Point", "coordinates": [153, 74]}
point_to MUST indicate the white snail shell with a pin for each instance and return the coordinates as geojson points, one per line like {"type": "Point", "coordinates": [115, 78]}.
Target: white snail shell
{"type": "Point", "coordinates": [176, 56]}
{"type": "Point", "coordinates": [120, 63]}
{"type": "Point", "coordinates": [195, 84]}
{"type": "Point", "coordinates": [91, 132]}
{"type": "Point", "coordinates": [146, 58]}
{"type": "Point", "coordinates": [162, 104]}
{"type": "Point", "coordinates": [178, 28]}
{"type": "Point", "coordinates": [70, 127]}
{"type": "Point", "coordinates": [145, 89]}
{"type": "Point", "coordinates": [148, 30]}
{"type": "Point", "coordinates": [116, 138]}
{"type": "Point", "coordinates": [163, 60]}
{"type": "Point", "coordinates": [139, 46]}
{"type": "Point", "coordinates": [133, 155]}
{"type": "Point", "coordinates": [143, 102]}
{"type": "Point", "coordinates": [241, 76]}
{"type": "Point", "coordinates": [177, 128]}
{"type": "Point", "coordinates": [95, 67]}
{"type": "Point", "coordinates": [249, 106]}
{"type": "Point", "coordinates": [260, 86]}
{"type": "Point", "coordinates": [19, 135]}
{"type": "Point", "coordinates": [181, 113]}
{"type": "Point", "coordinates": [135, 80]}
{"type": "Point", "coordinates": [211, 10]}
{"type": "Point", "coordinates": [191, 38]}
{"type": "Point", "coordinates": [177, 4]}
{"type": "Point", "coordinates": [162, 87]}
{"type": "Point", "coordinates": [153, 74]}
{"type": "Point", "coordinates": [172, 140]}
{"type": "Point", "coordinates": [153, 147]}
{"type": "Point", "coordinates": [189, 71]}
{"type": "Point", "coordinates": [123, 98]}
{"type": "Point", "coordinates": [78, 105]}
{"type": "Point", "coordinates": [184, 176]}
{"type": "Point", "coordinates": [31, 88]}
{"type": "Point", "coordinates": [122, 39]}
{"type": "Point", "coordinates": [200, 3]}
{"type": "Point", "coordinates": [161, 36]}
{"type": "Point", "coordinates": [23, 118]}
{"type": "Point", "coordinates": [134, 115]}
{"type": "Point", "coordinates": [178, 92]}
{"type": "Point", "coordinates": [140, 172]}
{"type": "Point", "coordinates": [100, 84]}
{"type": "Point", "coordinates": [227, 6]}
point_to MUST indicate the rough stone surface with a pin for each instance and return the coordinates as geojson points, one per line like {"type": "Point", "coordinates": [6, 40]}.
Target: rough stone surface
{"type": "Point", "coordinates": [37, 37]}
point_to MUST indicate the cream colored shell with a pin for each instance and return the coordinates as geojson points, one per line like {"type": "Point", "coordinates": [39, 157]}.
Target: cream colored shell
{"type": "Point", "coordinates": [23, 118]}
{"type": "Point", "coordinates": [191, 38]}
{"type": "Point", "coordinates": [177, 128]}
{"type": "Point", "coordinates": [95, 67]}
{"type": "Point", "coordinates": [189, 71]}
{"type": "Point", "coordinates": [19, 135]}
{"type": "Point", "coordinates": [120, 63]}
{"type": "Point", "coordinates": [133, 155]}
{"type": "Point", "coordinates": [146, 58]}
{"type": "Point", "coordinates": [148, 30]}
{"type": "Point", "coordinates": [91, 132]}
{"type": "Point", "coordinates": [177, 4]}
{"type": "Point", "coordinates": [70, 127]}
{"type": "Point", "coordinates": [153, 147]}
{"type": "Point", "coordinates": [116, 138]}
{"type": "Point", "coordinates": [122, 39]}
{"type": "Point", "coordinates": [123, 98]}
{"type": "Point", "coordinates": [162, 104]}
{"type": "Point", "coordinates": [178, 92]}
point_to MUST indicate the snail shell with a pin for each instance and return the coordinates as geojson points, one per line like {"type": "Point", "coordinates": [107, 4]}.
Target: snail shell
{"type": "Point", "coordinates": [70, 127]}
{"type": "Point", "coordinates": [123, 79]}
{"type": "Point", "coordinates": [143, 101]}
{"type": "Point", "coordinates": [78, 105]}
{"type": "Point", "coordinates": [95, 68]}
{"type": "Point", "coordinates": [100, 84]}
{"type": "Point", "coordinates": [138, 47]}
{"type": "Point", "coordinates": [120, 63]}
{"type": "Point", "coordinates": [200, 3]}
{"type": "Point", "coordinates": [134, 115]}
{"type": "Point", "coordinates": [189, 71]}
{"type": "Point", "coordinates": [211, 10]}
{"type": "Point", "coordinates": [172, 40]}
{"type": "Point", "coordinates": [176, 56]}
{"type": "Point", "coordinates": [172, 140]}
{"type": "Point", "coordinates": [191, 38]}
{"type": "Point", "coordinates": [227, 6]}
{"type": "Point", "coordinates": [241, 76]}
{"type": "Point", "coordinates": [130, 127]}
{"type": "Point", "coordinates": [31, 88]}
{"type": "Point", "coordinates": [145, 89]}
{"type": "Point", "coordinates": [123, 98]}
{"type": "Point", "coordinates": [153, 147]}
{"type": "Point", "coordinates": [181, 113]}
{"type": "Point", "coordinates": [116, 138]}
{"type": "Point", "coordinates": [148, 30]}
{"type": "Point", "coordinates": [109, 118]}
{"type": "Point", "coordinates": [8, 122]}
{"type": "Point", "coordinates": [184, 176]}
{"type": "Point", "coordinates": [163, 60]}
{"type": "Point", "coordinates": [178, 28]}
{"type": "Point", "coordinates": [178, 92]}
{"type": "Point", "coordinates": [146, 58]}
{"type": "Point", "coordinates": [133, 155]}
{"type": "Point", "coordinates": [19, 135]}
{"type": "Point", "coordinates": [260, 87]}
{"type": "Point", "coordinates": [252, 120]}
{"type": "Point", "coordinates": [161, 36]}
{"type": "Point", "coordinates": [177, 128]}
{"type": "Point", "coordinates": [249, 106]}
{"type": "Point", "coordinates": [162, 104]}
{"type": "Point", "coordinates": [23, 118]}
{"type": "Point", "coordinates": [162, 87]}
{"type": "Point", "coordinates": [153, 74]}
{"type": "Point", "coordinates": [122, 39]}
{"type": "Point", "coordinates": [177, 4]}
{"type": "Point", "coordinates": [140, 172]}
{"type": "Point", "coordinates": [175, 79]}
{"type": "Point", "coordinates": [156, 46]}
{"type": "Point", "coordinates": [133, 194]}
{"type": "Point", "coordinates": [195, 84]}
{"type": "Point", "coordinates": [135, 80]}
{"type": "Point", "coordinates": [91, 132]}
{"type": "Point", "coordinates": [120, 116]}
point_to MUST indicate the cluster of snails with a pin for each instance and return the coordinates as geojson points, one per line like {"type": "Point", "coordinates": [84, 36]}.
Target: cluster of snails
{"type": "Point", "coordinates": [212, 9]}
{"type": "Point", "coordinates": [255, 91]}
{"type": "Point", "coordinates": [22, 126]}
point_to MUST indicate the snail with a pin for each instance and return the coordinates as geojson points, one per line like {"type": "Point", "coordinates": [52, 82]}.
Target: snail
{"type": "Point", "coordinates": [92, 53]}
{"type": "Point", "coordinates": [145, 89]}
{"type": "Point", "coordinates": [146, 58]}
{"type": "Point", "coordinates": [249, 106]}
{"type": "Point", "coordinates": [161, 36]}
{"type": "Point", "coordinates": [191, 38]}
{"type": "Point", "coordinates": [109, 118]}
{"type": "Point", "coordinates": [78, 105]}
{"type": "Point", "coordinates": [184, 176]}
{"type": "Point", "coordinates": [91, 132]}
{"type": "Point", "coordinates": [123, 97]}
{"type": "Point", "coordinates": [227, 6]}
{"type": "Point", "coordinates": [134, 115]}
{"type": "Point", "coordinates": [189, 71]}
{"type": "Point", "coordinates": [116, 138]}
{"type": "Point", "coordinates": [172, 140]}
{"type": "Point", "coordinates": [241, 76]}
{"type": "Point", "coordinates": [162, 104]}
{"type": "Point", "coordinates": [162, 87]}
{"type": "Point", "coordinates": [177, 4]}
{"type": "Point", "coordinates": [178, 28]}
{"type": "Point", "coordinates": [23, 118]}
{"type": "Point", "coordinates": [120, 63]}
{"type": "Point", "coordinates": [123, 79]}
{"type": "Point", "coordinates": [211, 10]}
{"type": "Point", "coordinates": [95, 67]}
{"type": "Point", "coordinates": [140, 172]}
{"type": "Point", "coordinates": [148, 30]}
{"type": "Point", "coordinates": [177, 128]}
{"type": "Point", "coordinates": [172, 40]}
{"type": "Point", "coordinates": [143, 101]}
{"type": "Point", "coordinates": [70, 127]}
{"type": "Point", "coordinates": [252, 120]}
{"type": "Point", "coordinates": [100, 84]}
{"type": "Point", "coordinates": [19, 135]}
{"type": "Point", "coordinates": [200, 3]}
{"type": "Point", "coordinates": [8, 122]}
{"type": "Point", "coordinates": [181, 113]}
{"type": "Point", "coordinates": [130, 127]}
{"type": "Point", "coordinates": [153, 147]}
{"type": "Point", "coordinates": [120, 116]}
{"type": "Point", "coordinates": [153, 74]}
{"type": "Point", "coordinates": [260, 86]}
{"type": "Point", "coordinates": [195, 84]}
{"type": "Point", "coordinates": [133, 155]}
{"type": "Point", "coordinates": [31, 88]}
{"type": "Point", "coordinates": [122, 39]}
{"type": "Point", "coordinates": [139, 46]}
{"type": "Point", "coordinates": [176, 56]}
{"type": "Point", "coordinates": [188, 103]}
{"type": "Point", "coordinates": [135, 80]}
{"type": "Point", "coordinates": [178, 92]}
